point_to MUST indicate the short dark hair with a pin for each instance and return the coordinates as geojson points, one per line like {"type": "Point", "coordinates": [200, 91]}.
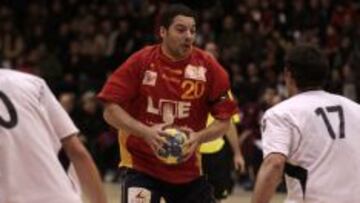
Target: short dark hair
{"type": "Point", "coordinates": [308, 66]}
{"type": "Point", "coordinates": [174, 10]}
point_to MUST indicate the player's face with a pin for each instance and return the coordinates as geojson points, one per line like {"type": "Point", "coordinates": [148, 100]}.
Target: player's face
{"type": "Point", "coordinates": [178, 39]}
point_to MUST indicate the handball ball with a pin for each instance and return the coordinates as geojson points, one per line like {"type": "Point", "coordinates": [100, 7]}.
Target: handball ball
{"type": "Point", "coordinates": [173, 151]}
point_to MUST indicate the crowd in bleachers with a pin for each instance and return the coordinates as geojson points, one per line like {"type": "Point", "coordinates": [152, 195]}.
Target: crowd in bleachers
{"type": "Point", "coordinates": [75, 44]}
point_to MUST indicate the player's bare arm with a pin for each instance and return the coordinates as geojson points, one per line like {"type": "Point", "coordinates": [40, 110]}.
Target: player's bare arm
{"type": "Point", "coordinates": [85, 169]}
{"type": "Point", "coordinates": [213, 131]}
{"type": "Point", "coordinates": [233, 139]}
{"type": "Point", "coordinates": [118, 118]}
{"type": "Point", "coordinates": [269, 178]}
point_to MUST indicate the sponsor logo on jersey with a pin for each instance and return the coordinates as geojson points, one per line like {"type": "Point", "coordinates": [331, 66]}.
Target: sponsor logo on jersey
{"type": "Point", "coordinates": [195, 72]}
{"type": "Point", "coordinates": [171, 79]}
{"type": "Point", "coordinates": [149, 78]}
{"type": "Point", "coordinates": [169, 109]}
{"type": "Point", "coordinates": [139, 195]}
{"type": "Point", "coordinates": [173, 70]}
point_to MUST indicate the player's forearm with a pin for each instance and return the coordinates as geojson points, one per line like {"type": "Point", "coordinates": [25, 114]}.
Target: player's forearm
{"type": "Point", "coordinates": [233, 139]}
{"type": "Point", "coordinates": [86, 170]}
{"type": "Point", "coordinates": [269, 177]}
{"type": "Point", "coordinates": [215, 130]}
{"type": "Point", "coordinates": [118, 118]}
{"type": "Point", "coordinates": [90, 180]}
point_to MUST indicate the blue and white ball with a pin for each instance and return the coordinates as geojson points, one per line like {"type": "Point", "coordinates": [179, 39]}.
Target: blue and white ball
{"type": "Point", "coordinates": [173, 151]}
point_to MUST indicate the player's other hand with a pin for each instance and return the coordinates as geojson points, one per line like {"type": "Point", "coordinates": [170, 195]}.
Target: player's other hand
{"type": "Point", "coordinates": [239, 162]}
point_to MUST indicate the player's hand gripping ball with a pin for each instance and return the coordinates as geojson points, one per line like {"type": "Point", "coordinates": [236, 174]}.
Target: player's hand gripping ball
{"type": "Point", "coordinates": [173, 151]}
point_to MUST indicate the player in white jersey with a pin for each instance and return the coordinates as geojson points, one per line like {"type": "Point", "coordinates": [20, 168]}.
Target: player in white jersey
{"type": "Point", "coordinates": [313, 137]}
{"type": "Point", "coordinates": [33, 127]}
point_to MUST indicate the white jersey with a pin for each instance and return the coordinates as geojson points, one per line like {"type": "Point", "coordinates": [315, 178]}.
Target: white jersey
{"type": "Point", "coordinates": [32, 123]}
{"type": "Point", "coordinates": [319, 133]}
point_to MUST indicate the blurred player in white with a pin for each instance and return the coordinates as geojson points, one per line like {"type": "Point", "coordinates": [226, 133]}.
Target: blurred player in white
{"type": "Point", "coordinates": [33, 127]}
{"type": "Point", "coordinates": [313, 137]}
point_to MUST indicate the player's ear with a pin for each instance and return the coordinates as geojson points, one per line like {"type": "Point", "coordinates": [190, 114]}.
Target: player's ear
{"type": "Point", "coordinates": [163, 31]}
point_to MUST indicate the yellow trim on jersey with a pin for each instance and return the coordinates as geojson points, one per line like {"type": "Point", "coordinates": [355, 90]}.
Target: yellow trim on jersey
{"type": "Point", "coordinates": [217, 144]}
{"type": "Point", "coordinates": [212, 146]}
{"type": "Point", "coordinates": [235, 118]}
{"type": "Point", "coordinates": [125, 159]}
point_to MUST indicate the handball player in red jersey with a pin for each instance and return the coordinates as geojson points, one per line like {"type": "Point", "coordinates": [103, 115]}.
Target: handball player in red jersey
{"type": "Point", "coordinates": [171, 83]}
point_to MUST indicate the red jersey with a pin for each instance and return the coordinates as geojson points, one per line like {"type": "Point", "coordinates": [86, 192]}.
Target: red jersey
{"type": "Point", "coordinates": [154, 89]}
